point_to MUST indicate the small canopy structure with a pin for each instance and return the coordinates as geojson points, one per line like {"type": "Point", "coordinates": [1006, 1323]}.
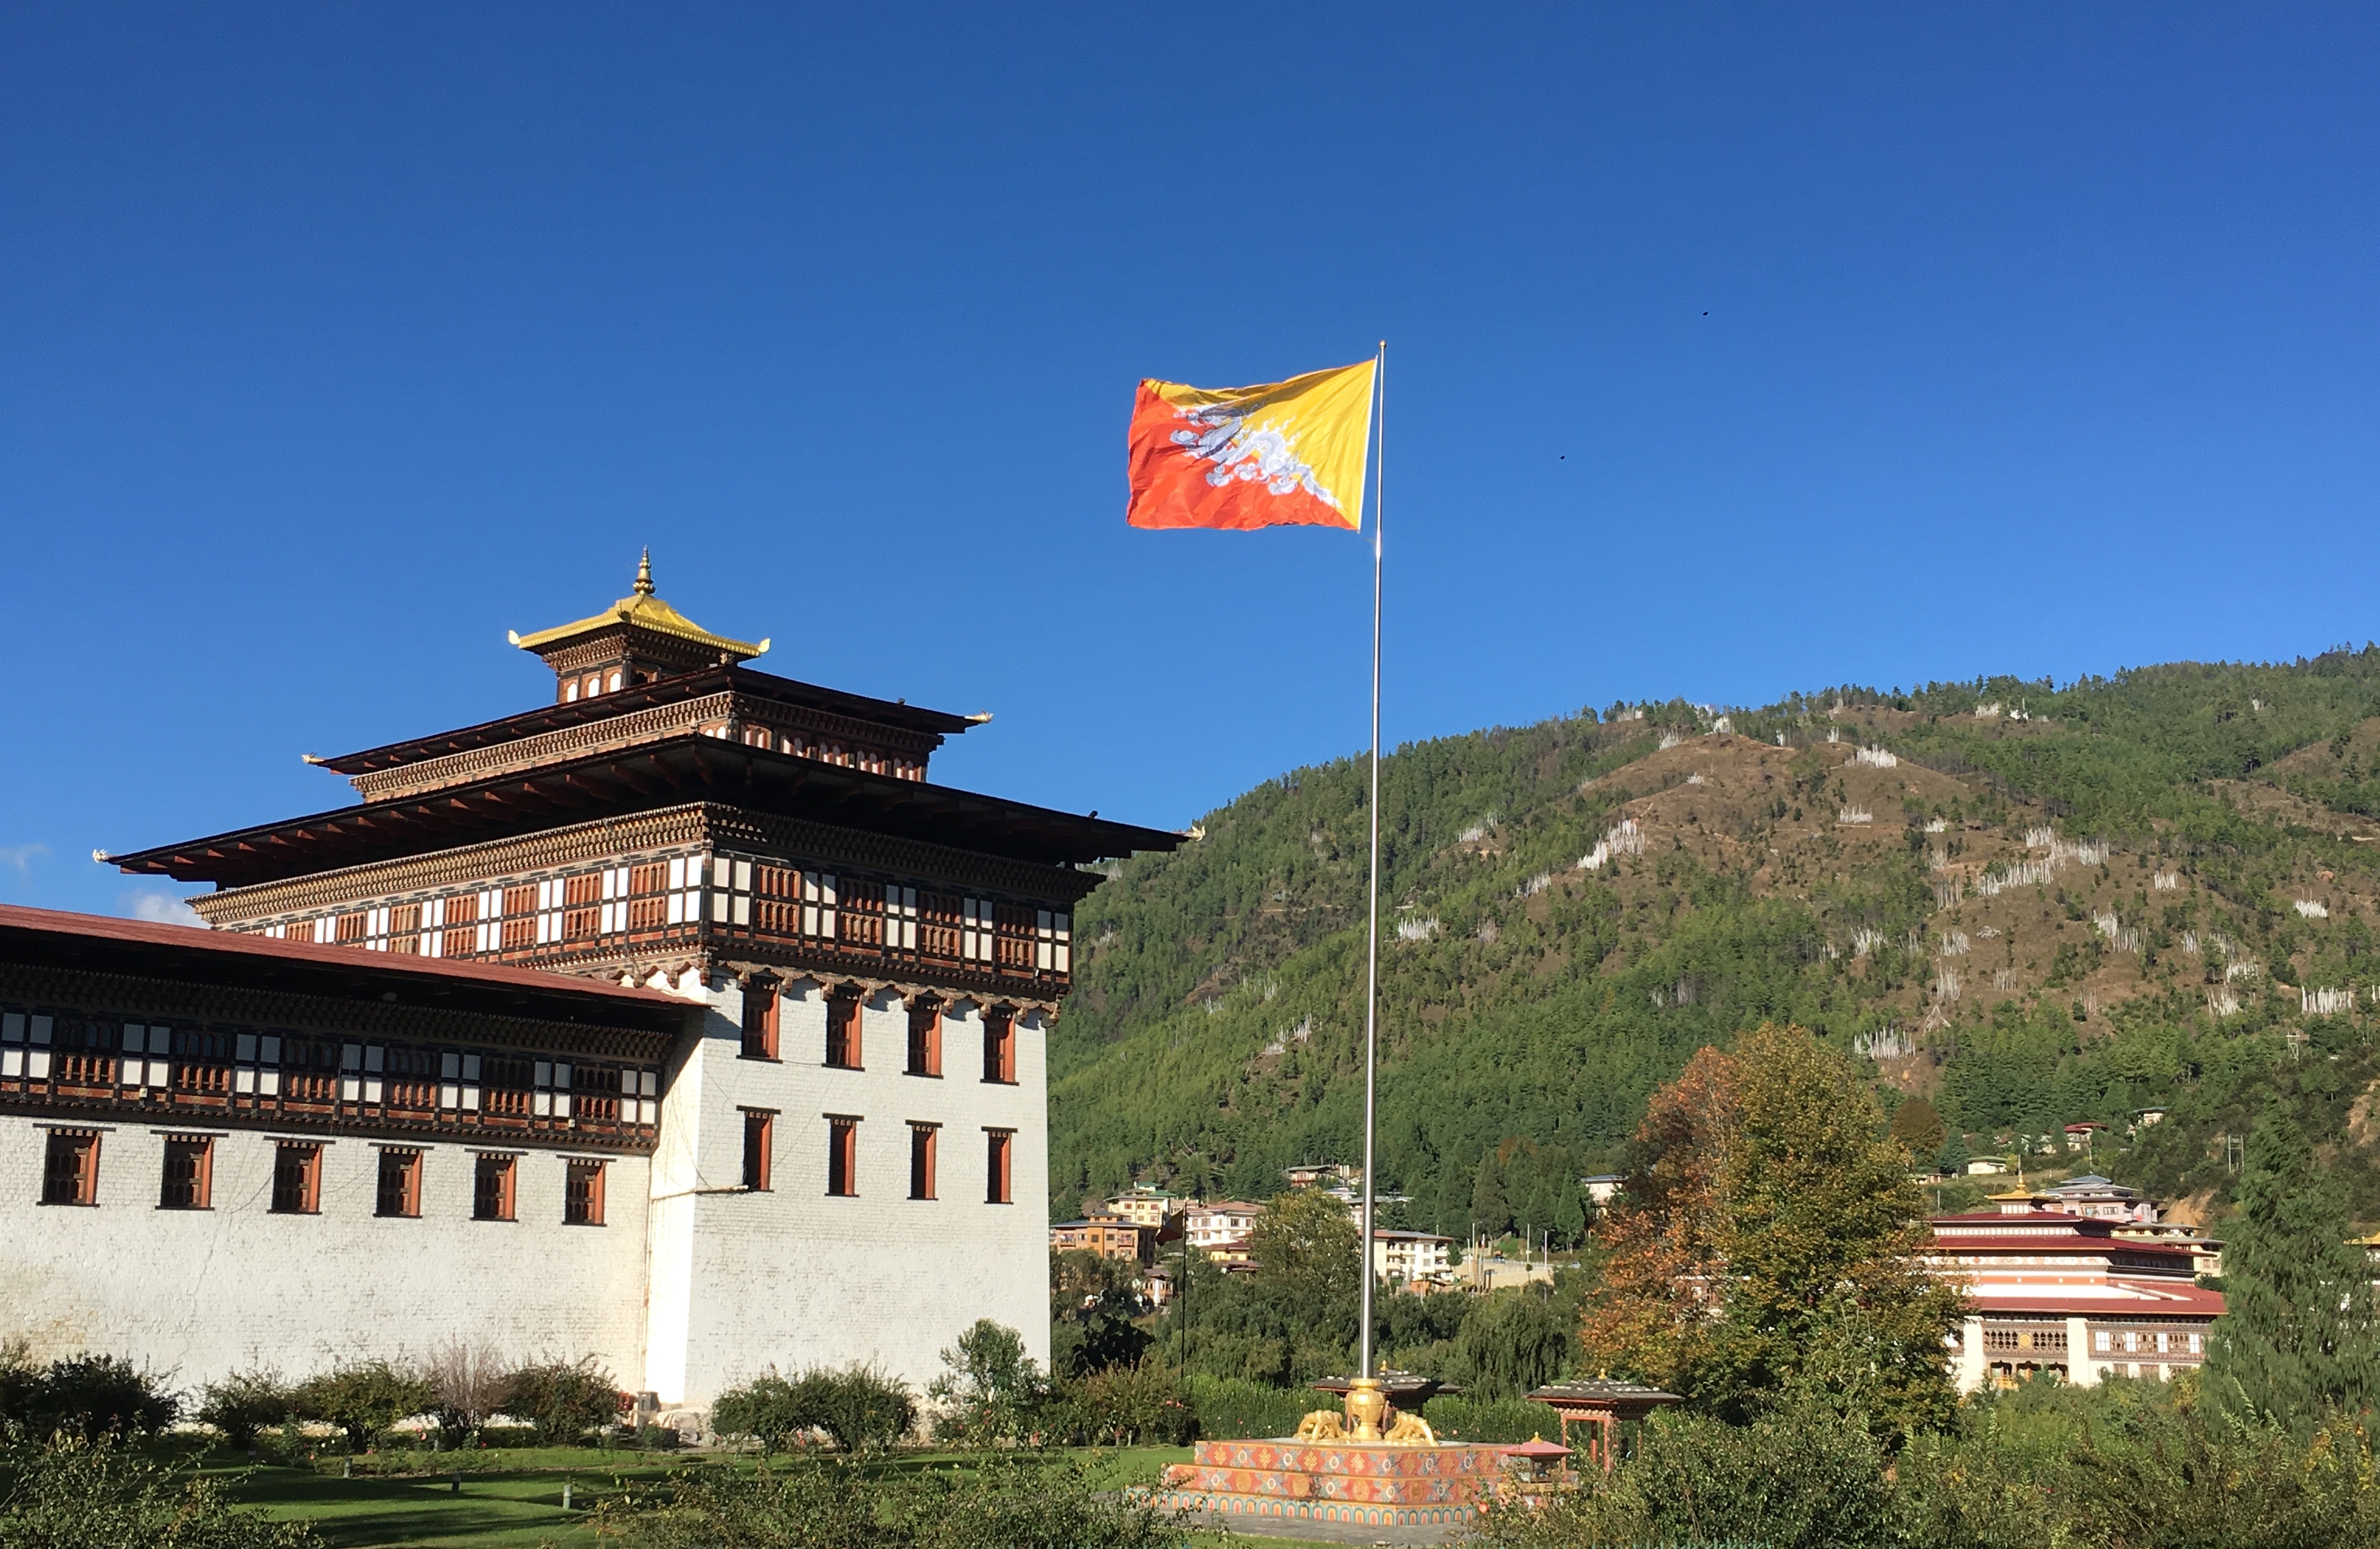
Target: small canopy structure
{"type": "Point", "coordinates": [1604, 1404]}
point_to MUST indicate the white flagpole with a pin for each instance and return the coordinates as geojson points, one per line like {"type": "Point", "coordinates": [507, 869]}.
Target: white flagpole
{"type": "Point", "coordinates": [1372, 964]}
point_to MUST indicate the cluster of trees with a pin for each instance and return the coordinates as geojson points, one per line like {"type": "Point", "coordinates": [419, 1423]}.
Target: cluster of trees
{"type": "Point", "coordinates": [991, 1393]}
{"type": "Point", "coordinates": [460, 1387]}
{"type": "Point", "coordinates": [1215, 1035]}
{"type": "Point", "coordinates": [1761, 1265]}
{"type": "Point", "coordinates": [1296, 1314]}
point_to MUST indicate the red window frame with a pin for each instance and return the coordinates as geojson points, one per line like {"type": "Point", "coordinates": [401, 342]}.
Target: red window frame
{"type": "Point", "coordinates": [923, 1143]}
{"type": "Point", "coordinates": [399, 1195]}
{"type": "Point", "coordinates": [1000, 1047]}
{"type": "Point", "coordinates": [297, 1178]}
{"type": "Point", "coordinates": [843, 1156]}
{"type": "Point", "coordinates": [1000, 1147]}
{"type": "Point", "coordinates": [759, 1147]}
{"type": "Point", "coordinates": [189, 1174]}
{"type": "Point", "coordinates": [760, 1010]}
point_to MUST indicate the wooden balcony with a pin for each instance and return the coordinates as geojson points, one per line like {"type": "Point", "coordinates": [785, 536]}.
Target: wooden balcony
{"type": "Point", "coordinates": [203, 1091]}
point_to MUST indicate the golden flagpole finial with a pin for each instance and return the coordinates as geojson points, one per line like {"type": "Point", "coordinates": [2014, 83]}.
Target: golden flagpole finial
{"type": "Point", "coordinates": [645, 575]}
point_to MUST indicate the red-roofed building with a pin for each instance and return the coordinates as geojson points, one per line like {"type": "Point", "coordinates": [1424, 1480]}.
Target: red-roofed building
{"type": "Point", "coordinates": [2052, 1291]}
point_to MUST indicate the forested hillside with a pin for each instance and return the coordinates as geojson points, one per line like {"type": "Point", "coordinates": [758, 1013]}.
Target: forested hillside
{"type": "Point", "coordinates": [2030, 905]}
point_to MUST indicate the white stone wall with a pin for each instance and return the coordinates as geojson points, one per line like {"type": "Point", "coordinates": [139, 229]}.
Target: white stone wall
{"type": "Point", "coordinates": [197, 1294]}
{"type": "Point", "coordinates": [794, 1277]}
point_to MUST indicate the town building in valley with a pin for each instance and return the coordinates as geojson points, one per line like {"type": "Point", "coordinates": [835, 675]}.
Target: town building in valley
{"type": "Point", "coordinates": [2058, 1291]}
{"type": "Point", "coordinates": [1410, 1258]}
{"type": "Point", "coordinates": [868, 963]}
{"type": "Point", "coordinates": [1110, 1237]}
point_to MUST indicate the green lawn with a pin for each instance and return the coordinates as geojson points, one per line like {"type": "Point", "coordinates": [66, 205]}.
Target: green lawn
{"type": "Point", "coordinates": [514, 1498]}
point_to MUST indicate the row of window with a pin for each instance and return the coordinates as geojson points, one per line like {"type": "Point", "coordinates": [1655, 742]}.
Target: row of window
{"type": "Point", "coordinates": [763, 1005]}
{"type": "Point", "coordinates": [243, 1063]}
{"type": "Point", "coordinates": [2106, 1341]}
{"type": "Point", "coordinates": [758, 897]}
{"type": "Point", "coordinates": [70, 1177]}
{"type": "Point", "coordinates": [843, 1156]}
{"type": "Point", "coordinates": [826, 750]}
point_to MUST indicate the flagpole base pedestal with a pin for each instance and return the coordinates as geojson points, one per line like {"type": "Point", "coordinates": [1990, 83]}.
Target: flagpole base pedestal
{"type": "Point", "coordinates": [1245, 1484]}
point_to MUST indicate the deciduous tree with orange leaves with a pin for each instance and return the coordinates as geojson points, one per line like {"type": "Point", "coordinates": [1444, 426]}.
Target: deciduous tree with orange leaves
{"type": "Point", "coordinates": [1767, 1243]}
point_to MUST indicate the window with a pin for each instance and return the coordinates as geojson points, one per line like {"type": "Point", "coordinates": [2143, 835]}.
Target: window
{"type": "Point", "coordinates": [842, 1155]}
{"type": "Point", "coordinates": [1052, 941]}
{"type": "Point", "coordinates": [921, 1160]}
{"type": "Point", "coordinates": [758, 1131]}
{"type": "Point", "coordinates": [189, 1174]}
{"type": "Point", "coordinates": [999, 1046]}
{"type": "Point", "coordinates": [900, 918]}
{"type": "Point", "coordinates": [297, 1178]}
{"type": "Point", "coordinates": [400, 1183]}
{"type": "Point", "coordinates": [2100, 1341]}
{"type": "Point", "coordinates": [925, 1037]}
{"type": "Point", "coordinates": [976, 931]}
{"type": "Point", "coordinates": [842, 1031]}
{"type": "Point", "coordinates": [2197, 1344]}
{"type": "Point", "coordinates": [70, 1170]}
{"type": "Point", "coordinates": [997, 1143]}
{"type": "Point", "coordinates": [582, 1194]}
{"type": "Point", "coordinates": [760, 1020]}
{"type": "Point", "coordinates": [492, 1189]}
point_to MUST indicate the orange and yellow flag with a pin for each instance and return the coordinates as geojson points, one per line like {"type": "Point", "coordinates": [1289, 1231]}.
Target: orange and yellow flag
{"type": "Point", "coordinates": [1285, 452]}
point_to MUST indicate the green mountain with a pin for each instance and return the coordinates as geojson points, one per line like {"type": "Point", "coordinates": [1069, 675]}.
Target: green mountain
{"type": "Point", "coordinates": [2034, 906]}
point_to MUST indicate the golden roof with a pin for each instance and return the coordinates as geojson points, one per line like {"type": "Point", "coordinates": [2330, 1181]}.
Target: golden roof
{"type": "Point", "coordinates": [641, 609]}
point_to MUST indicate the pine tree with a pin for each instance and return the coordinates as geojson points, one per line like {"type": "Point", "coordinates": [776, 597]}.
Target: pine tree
{"type": "Point", "coordinates": [1918, 1126]}
{"type": "Point", "coordinates": [2298, 1335]}
{"type": "Point", "coordinates": [1489, 1213]}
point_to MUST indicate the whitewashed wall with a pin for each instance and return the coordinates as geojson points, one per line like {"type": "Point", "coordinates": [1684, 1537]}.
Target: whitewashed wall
{"type": "Point", "coordinates": [794, 1277]}
{"type": "Point", "coordinates": [201, 1293]}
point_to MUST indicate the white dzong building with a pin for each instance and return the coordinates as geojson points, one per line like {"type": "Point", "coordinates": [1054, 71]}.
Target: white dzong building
{"type": "Point", "coordinates": [682, 1023]}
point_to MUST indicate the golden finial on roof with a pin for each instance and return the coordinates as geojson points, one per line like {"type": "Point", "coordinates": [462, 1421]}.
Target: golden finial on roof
{"type": "Point", "coordinates": [645, 575]}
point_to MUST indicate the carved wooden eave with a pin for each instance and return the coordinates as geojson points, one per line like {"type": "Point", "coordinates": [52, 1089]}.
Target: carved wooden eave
{"type": "Point", "coordinates": [672, 830]}
{"type": "Point", "coordinates": [592, 788]}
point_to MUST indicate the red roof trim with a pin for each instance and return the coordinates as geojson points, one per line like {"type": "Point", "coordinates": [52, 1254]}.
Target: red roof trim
{"type": "Point", "coordinates": [229, 943]}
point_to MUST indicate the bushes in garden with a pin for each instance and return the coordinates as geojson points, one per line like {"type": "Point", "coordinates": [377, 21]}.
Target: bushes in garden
{"type": "Point", "coordinates": [67, 1492]}
{"type": "Point", "coordinates": [1005, 1500]}
{"type": "Point", "coordinates": [89, 1396]}
{"type": "Point", "coordinates": [858, 1409]}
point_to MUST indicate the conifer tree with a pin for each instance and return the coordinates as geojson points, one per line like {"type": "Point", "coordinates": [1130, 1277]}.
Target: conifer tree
{"type": "Point", "coordinates": [1490, 1212]}
{"type": "Point", "coordinates": [2298, 1336]}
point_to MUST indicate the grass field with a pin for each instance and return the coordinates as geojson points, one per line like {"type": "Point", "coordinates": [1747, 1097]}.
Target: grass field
{"type": "Point", "coordinates": [513, 1499]}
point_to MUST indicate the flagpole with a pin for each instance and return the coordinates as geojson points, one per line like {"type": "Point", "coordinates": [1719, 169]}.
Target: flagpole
{"type": "Point", "coordinates": [1372, 963]}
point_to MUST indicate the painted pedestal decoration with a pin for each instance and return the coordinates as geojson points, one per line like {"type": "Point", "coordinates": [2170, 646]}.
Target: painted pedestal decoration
{"type": "Point", "coordinates": [1369, 1483]}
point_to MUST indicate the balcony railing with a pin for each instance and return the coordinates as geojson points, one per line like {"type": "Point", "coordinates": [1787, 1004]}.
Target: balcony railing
{"type": "Point", "coordinates": [201, 1090]}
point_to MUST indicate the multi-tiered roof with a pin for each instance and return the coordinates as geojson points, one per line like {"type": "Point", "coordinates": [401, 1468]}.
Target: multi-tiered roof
{"type": "Point", "coordinates": [662, 746]}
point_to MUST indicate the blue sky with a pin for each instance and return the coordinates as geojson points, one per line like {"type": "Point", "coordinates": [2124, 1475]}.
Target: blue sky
{"type": "Point", "coordinates": [1731, 350]}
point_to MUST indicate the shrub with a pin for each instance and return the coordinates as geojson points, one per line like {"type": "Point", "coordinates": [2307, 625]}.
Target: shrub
{"type": "Point", "coordinates": [1231, 1408]}
{"type": "Point", "coordinates": [246, 1403]}
{"type": "Point", "coordinates": [71, 1494]}
{"type": "Point", "coordinates": [1121, 1406]}
{"type": "Point", "coordinates": [88, 1395]}
{"type": "Point", "coordinates": [364, 1399]}
{"type": "Point", "coordinates": [829, 1504]}
{"type": "Point", "coordinates": [1801, 1479]}
{"type": "Point", "coordinates": [466, 1385]}
{"type": "Point", "coordinates": [859, 1408]}
{"type": "Point", "coordinates": [991, 1390]}
{"type": "Point", "coordinates": [1510, 1420]}
{"type": "Point", "coordinates": [562, 1400]}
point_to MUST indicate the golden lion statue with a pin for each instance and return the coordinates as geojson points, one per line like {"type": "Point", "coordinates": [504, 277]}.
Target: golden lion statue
{"type": "Point", "coordinates": [1411, 1430]}
{"type": "Point", "coordinates": [1321, 1425]}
